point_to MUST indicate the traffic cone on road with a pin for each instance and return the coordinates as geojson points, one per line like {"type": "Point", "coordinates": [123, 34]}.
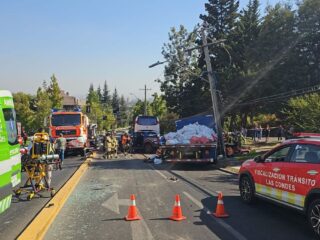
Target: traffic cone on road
{"type": "Point", "coordinates": [220, 213]}
{"type": "Point", "coordinates": [177, 211]}
{"type": "Point", "coordinates": [132, 211]}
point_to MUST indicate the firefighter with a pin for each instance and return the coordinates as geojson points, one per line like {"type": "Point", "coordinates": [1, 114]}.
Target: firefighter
{"type": "Point", "coordinates": [108, 146]}
{"type": "Point", "coordinates": [114, 144]}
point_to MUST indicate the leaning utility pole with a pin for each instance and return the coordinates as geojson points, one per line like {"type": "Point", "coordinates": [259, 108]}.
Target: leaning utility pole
{"type": "Point", "coordinates": [145, 98]}
{"type": "Point", "coordinates": [216, 113]}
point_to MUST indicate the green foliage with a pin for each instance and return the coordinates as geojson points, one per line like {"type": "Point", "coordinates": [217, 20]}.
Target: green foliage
{"type": "Point", "coordinates": [303, 113]}
{"type": "Point", "coordinates": [99, 110]}
{"type": "Point", "coordinates": [183, 90]}
{"type": "Point", "coordinates": [105, 95]}
{"type": "Point", "coordinates": [123, 120]}
{"type": "Point", "coordinates": [260, 57]}
{"type": "Point", "coordinates": [24, 113]}
{"type": "Point", "coordinates": [43, 106]}
{"type": "Point", "coordinates": [54, 92]}
{"type": "Point", "coordinates": [115, 101]}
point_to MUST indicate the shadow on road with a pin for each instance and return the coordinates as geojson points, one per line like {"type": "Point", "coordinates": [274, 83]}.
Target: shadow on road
{"type": "Point", "coordinates": [262, 220]}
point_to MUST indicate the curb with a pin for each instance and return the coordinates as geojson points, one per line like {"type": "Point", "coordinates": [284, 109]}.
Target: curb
{"type": "Point", "coordinates": [232, 170]}
{"type": "Point", "coordinates": [42, 221]}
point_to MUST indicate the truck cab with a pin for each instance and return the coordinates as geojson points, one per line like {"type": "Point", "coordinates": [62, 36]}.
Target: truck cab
{"type": "Point", "coordinates": [74, 127]}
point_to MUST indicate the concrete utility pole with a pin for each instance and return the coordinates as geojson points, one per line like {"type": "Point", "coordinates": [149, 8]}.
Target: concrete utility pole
{"type": "Point", "coordinates": [216, 113]}
{"type": "Point", "coordinates": [145, 89]}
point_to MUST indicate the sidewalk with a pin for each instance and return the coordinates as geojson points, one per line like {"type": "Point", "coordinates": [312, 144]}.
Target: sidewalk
{"type": "Point", "coordinates": [232, 165]}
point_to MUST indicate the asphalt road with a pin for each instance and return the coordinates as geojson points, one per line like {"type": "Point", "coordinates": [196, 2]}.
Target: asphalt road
{"type": "Point", "coordinates": [96, 208]}
{"type": "Point", "coordinates": [21, 212]}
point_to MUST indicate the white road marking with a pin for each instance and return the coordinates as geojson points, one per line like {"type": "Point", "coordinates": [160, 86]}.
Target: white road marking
{"type": "Point", "coordinates": [114, 202]}
{"type": "Point", "coordinates": [160, 173]}
{"type": "Point", "coordinates": [140, 230]}
{"type": "Point", "coordinates": [230, 229]}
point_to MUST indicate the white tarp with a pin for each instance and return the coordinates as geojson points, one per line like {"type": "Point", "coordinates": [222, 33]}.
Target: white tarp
{"type": "Point", "coordinates": [192, 133]}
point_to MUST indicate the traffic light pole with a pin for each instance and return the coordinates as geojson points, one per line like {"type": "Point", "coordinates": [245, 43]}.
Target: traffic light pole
{"type": "Point", "coordinates": [216, 113]}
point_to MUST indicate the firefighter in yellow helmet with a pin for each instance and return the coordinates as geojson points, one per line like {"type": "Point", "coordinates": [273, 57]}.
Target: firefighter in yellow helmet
{"type": "Point", "coordinates": [115, 144]}
{"type": "Point", "coordinates": [108, 146]}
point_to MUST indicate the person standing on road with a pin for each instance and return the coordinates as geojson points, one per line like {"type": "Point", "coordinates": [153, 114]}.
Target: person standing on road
{"type": "Point", "coordinates": [61, 144]}
{"type": "Point", "coordinates": [108, 146]}
{"type": "Point", "coordinates": [260, 132]}
{"type": "Point", "coordinates": [115, 145]}
{"type": "Point", "coordinates": [280, 133]}
{"type": "Point", "coordinates": [268, 130]}
{"type": "Point", "coordinates": [125, 139]}
{"type": "Point", "coordinates": [24, 136]}
{"type": "Point", "coordinates": [255, 133]}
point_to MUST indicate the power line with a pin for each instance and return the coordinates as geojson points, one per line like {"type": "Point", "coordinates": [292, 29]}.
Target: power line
{"type": "Point", "coordinates": [284, 95]}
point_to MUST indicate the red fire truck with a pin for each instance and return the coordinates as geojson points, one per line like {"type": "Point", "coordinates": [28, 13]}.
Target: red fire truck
{"type": "Point", "coordinates": [74, 127]}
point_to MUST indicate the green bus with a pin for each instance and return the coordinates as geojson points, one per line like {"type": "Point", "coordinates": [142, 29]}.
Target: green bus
{"type": "Point", "coordinates": [10, 161]}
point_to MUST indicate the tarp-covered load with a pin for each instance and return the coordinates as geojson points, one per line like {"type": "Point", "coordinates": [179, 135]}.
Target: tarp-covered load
{"type": "Point", "coordinates": [191, 134]}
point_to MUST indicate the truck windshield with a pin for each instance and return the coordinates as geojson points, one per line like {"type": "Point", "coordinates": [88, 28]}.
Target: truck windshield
{"type": "Point", "coordinates": [66, 120]}
{"type": "Point", "coordinates": [10, 119]}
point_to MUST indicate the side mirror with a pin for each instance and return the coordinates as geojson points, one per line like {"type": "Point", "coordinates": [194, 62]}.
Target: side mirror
{"type": "Point", "coordinates": [258, 159]}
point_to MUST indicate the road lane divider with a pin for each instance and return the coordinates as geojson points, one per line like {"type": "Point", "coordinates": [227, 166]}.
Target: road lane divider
{"type": "Point", "coordinates": [38, 227]}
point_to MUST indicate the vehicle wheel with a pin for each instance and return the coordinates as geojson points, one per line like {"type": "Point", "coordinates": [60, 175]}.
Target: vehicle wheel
{"type": "Point", "coordinates": [53, 192]}
{"type": "Point", "coordinates": [314, 216]}
{"type": "Point", "coordinates": [17, 192]}
{"type": "Point", "coordinates": [82, 152]}
{"type": "Point", "coordinates": [148, 148]}
{"type": "Point", "coordinates": [246, 189]}
{"type": "Point", "coordinates": [30, 196]}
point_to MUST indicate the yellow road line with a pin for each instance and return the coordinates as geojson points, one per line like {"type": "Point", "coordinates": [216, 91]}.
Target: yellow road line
{"type": "Point", "coordinates": [40, 224]}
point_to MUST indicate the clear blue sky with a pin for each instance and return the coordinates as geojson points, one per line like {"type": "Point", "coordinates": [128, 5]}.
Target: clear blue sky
{"type": "Point", "coordinates": [89, 41]}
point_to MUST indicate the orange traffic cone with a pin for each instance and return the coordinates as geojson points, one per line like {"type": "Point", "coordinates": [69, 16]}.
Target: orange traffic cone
{"type": "Point", "coordinates": [132, 211]}
{"type": "Point", "coordinates": [177, 211]}
{"type": "Point", "coordinates": [220, 213]}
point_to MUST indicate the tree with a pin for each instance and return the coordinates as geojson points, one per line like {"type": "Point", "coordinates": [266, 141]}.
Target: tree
{"type": "Point", "coordinates": [103, 116]}
{"type": "Point", "coordinates": [25, 115]}
{"type": "Point", "coordinates": [105, 94]}
{"type": "Point", "coordinates": [123, 116]}
{"type": "Point", "coordinates": [308, 50]}
{"type": "Point", "coordinates": [115, 101]}
{"type": "Point", "coordinates": [99, 94]}
{"type": "Point", "coordinates": [54, 92]}
{"type": "Point", "coordinates": [92, 96]}
{"type": "Point", "coordinates": [184, 92]}
{"type": "Point", "coordinates": [220, 20]}
{"type": "Point", "coordinates": [158, 106]}
{"type": "Point", "coordinates": [243, 39]}
{"type": "Point", "coordinates": [303, 113]}
{"type": "Point", "coordinates": [43, 106]}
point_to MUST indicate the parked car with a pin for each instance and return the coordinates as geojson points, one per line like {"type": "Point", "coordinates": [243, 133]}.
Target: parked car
{"type": "Point", "coordinates": [289, 175]}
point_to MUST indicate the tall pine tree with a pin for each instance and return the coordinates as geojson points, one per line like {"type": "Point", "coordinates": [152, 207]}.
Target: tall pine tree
{"type": "Point", "coordinates": [115, 101]}
{"type": "Point", "coordinates": [106, 95]}
{"type": "Point", "coordinates": [54, 92]}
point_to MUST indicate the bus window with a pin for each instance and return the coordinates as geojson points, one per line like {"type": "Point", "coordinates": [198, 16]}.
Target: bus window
{"type": "Point", "coordinates": [10, 119]}
{"type": "Point", "coordinates": [146, 120]}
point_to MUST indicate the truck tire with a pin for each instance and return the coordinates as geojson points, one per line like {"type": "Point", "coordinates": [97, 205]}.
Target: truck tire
{"type": "Point", "coordinates": [82, 152]}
